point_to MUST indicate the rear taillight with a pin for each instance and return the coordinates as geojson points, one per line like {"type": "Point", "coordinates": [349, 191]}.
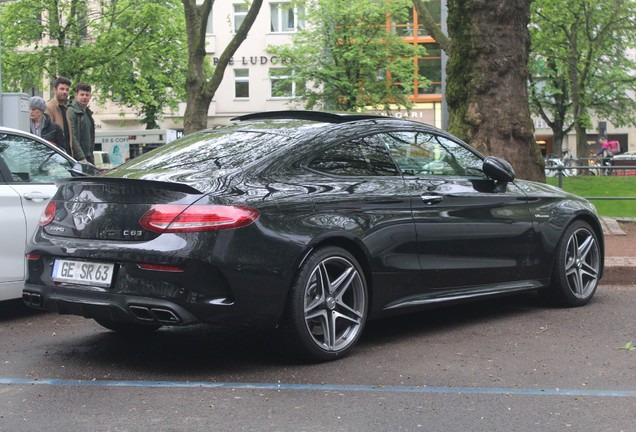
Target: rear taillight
{"type": "Point", "coordinates": [161, 268]}
{"type": "Point", "coordinates": [48, 214]}
{"type": "Point", "coordinates": [167, 218]}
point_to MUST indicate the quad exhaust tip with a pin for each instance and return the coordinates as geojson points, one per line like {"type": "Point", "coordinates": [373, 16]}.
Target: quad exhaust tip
{"type": "Point", "coordinates": [154, 314]}
{"type": "Point", "coordinates": [32, 299]}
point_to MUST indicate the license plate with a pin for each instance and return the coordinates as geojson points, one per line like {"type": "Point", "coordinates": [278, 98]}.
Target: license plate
{"type": "Point", "coordinates": [83, 272]}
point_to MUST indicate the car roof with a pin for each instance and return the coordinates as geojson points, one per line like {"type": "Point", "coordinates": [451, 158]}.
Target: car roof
{"type": "Point", "coordinates": [19, 132]}
{"type": "Point", "coordinates": [294, 123]}
{"type": "Point", "coordinates": [320, 116]}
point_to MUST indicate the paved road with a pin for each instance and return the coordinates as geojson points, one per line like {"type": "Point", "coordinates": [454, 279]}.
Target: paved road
{"type": "Point", "coordinates": [503, 365]}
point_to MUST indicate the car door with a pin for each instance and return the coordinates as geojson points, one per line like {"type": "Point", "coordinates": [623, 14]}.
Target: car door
{"type": "Point", "coordinates": [472, 236]}
{"type": "Point", "coordinates": [358, 191]}
{"type": "Point", "coordinates": [29, 169]}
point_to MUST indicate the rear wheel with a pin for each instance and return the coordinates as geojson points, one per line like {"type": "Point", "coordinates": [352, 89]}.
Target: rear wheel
{"type": "Point", "coordinates": [551, 167]}
{"type": "Point", "coordinates": [569, 168]}
{"type": "Point", "coordinates": [327, 305]}
{"type": "Point", "coordinates": [577, 267]}
{"type": "Point", "coordinates": [127, 328]}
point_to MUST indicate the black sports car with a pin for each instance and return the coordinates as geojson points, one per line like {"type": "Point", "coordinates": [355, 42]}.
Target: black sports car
{"type": "Point", "coordinates": [309, 220]}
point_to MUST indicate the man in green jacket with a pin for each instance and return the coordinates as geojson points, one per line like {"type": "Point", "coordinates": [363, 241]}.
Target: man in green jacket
{"type": "Point", "coordinates": [80, 118]}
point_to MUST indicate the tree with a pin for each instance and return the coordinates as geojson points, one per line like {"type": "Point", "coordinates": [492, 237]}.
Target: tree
{"type": "Point", "coordinates": [486, 88]}
{"type": "Point", "coordinates": [581, 66]}
{"type": "Point", "coordinates": [203, 80]}
{"type": "Point", "coordinates": [550, 97]}
{"type": "Point", "coordinates": [347, 59]}
{"type": "Point", "coordinates": [150, 76]}
{"type": "Point", "coordinates": [126, 48]}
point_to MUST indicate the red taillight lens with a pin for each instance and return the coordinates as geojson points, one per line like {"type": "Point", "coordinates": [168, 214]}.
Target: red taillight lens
{"type": "Point", "coordinates": [166, 218]}
{"type": "Point", "coordinates": [161, 268]}
{"type": "Point", "coordinates": [48, 214]}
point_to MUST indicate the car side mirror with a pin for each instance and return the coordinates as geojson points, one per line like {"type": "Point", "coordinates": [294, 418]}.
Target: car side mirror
{"type": "Point", "coordinates": [499, 170]}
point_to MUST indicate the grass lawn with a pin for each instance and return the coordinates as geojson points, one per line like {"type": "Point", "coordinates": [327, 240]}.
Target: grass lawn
{"type": "Point", "coordinates": [604, 186]}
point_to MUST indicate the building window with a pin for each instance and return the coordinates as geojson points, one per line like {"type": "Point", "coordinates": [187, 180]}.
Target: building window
{"type": "Point", "coordinates": [286, 18]}
{"type": "Point", "coordinates": [241, 83]}
{"type": "Point", "coordinates": [414, 25]}
{"type": "Point", "coordinates": [209, 27]}
{"type": "Point", "coordinates": [284, 85]}
{"type": "Point", "coordinates": [431, 68]}
{"type": "Point", "coordinates": [240, 11]}
{"type": "Point", "coordinates": [412, 30]}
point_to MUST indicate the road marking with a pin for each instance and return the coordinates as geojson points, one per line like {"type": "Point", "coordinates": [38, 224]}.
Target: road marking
{"type": "Point", "coordinates": [321, 387]}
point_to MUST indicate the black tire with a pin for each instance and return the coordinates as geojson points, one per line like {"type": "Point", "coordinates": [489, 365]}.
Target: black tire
{"type": "Point", "coordinates": [328, 305]}
{"type": "Point", "coordinates": [577, 267]}
{"type": "Point", "coordinates": [130, 329]}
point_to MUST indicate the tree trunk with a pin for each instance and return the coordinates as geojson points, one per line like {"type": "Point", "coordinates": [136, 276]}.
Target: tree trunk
{"type": "Point", "coordinates": [200, 89]}
{"type": "Point", "coordinates": [487, 91]}
{"type": "Point", "coordinates": [557, 141]}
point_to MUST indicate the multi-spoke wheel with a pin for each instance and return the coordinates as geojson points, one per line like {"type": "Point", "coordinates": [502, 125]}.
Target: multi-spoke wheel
{"type": "Point", "coordinates": [577, 266]}
{"type": "Point", "coordinates": [328, 304]}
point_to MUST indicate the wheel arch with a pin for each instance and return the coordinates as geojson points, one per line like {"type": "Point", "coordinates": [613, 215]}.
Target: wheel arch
{"type": "Point", "coordinates": [352, 245]}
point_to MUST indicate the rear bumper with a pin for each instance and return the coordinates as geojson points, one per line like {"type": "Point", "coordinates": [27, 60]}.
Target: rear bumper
{"type": "Point", "coordinates": [107, 306]}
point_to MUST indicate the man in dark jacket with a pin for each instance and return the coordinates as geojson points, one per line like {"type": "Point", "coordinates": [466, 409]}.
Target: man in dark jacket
{"type": "Point", "coordinates": [80, 118]}
{"type": "Point", "coordinates": [41, 124]}
{"type": "Point", "coordinates": [56, 108]}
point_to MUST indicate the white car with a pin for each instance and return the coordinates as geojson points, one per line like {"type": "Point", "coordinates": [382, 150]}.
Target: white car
{"type": "Point", "coordinates": [29, 167]}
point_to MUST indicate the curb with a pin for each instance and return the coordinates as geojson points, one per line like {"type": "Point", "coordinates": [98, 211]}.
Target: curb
{"type": "Point", "coordinates": [618, 270]}
{"type": "Point", "coordinates": [611, 227]}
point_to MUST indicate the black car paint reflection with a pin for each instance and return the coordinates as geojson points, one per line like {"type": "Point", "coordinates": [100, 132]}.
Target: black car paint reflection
{"type": "Point", "coordinates": [343, 232]}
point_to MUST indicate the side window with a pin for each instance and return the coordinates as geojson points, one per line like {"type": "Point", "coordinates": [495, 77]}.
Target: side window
{"type": "Point", "coordinates": [419, 153]}
{"type": "Point", "coordinates": [470, 163]}
{"type": "Point", "coordinates": [359, 157]}
{"type": "Point", "coordinates": [32, 162]}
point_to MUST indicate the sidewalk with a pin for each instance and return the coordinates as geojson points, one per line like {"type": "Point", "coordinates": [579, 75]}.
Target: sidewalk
{"type": "Point", "coordinates": [620, 251]}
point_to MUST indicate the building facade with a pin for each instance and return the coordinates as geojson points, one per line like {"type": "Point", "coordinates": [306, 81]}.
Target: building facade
{"type": "Point", "coordinates": [252, 80]}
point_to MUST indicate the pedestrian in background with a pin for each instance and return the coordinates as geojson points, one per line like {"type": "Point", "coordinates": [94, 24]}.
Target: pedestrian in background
{"type": "Point", "coordinates": [42, 125]}
{"type": "Point", "coordinates": [80, 118]}
{"type": "Point", "coordinates": [56, 109]}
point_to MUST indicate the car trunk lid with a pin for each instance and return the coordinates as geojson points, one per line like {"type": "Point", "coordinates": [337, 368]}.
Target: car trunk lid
{"type": "Point", "coordinates": [102, 208]}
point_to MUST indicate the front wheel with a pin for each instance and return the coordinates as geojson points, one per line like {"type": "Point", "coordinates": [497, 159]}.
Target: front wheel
{"type": "Point", "coordinates": [569, 168]}
{"type": "Point", "coordinates": [577, 267]}
{"type": "Point", "coordinates": [327, 305]}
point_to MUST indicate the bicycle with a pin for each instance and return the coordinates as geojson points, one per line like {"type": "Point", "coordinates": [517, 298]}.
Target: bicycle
{"type": "Point", "coordinates": [565, 164]}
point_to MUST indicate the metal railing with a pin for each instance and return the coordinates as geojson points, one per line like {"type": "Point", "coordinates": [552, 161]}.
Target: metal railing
{"type": "Point", "coordinates": [593, 167]}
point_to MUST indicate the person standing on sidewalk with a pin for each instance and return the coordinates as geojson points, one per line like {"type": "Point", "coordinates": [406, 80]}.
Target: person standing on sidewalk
{"type": "Point", "coordinates": [80, 118]}
{"type": "Point", "coordinates": [41, 124]}
{"type": "Point", "coordinates": [56, 109]}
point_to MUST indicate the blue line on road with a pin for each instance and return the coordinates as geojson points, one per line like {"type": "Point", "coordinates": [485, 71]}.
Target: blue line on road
{"type": "Point", "coordinates": [320, 387]}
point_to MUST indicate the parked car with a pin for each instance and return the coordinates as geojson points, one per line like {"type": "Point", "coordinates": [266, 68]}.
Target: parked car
{"type": "Point", "coordinates": [311, 221]}
{"type": "Point", "coordinates": [29, 167]}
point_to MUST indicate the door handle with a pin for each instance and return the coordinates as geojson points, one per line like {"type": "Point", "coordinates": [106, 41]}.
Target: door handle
{"type": "Point", "coordinates": [432, 199]}
{"type": "Point", "coordinates": [36, 196]}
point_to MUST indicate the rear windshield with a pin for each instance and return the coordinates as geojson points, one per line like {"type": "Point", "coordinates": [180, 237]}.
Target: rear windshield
{"type": "Point", "coordinates": [210, 152]}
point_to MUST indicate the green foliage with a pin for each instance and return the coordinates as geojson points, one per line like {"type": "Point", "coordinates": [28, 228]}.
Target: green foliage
{"type": "Point", "coordinates": [132, 51]}
{"type": "Point", "coordinates": [629, 346]}
{"type": "Point", "coordinates": [578, 55]}
{"type": "Point", "coordinates": [347, 58]}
